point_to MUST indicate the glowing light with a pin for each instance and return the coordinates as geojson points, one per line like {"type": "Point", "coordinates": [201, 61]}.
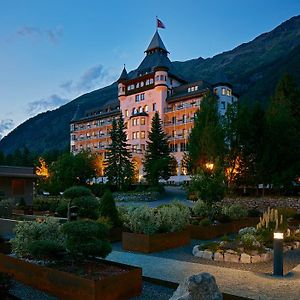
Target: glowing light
{"type": "Point", "coordinates": [209, 166]}
{"type": "Point", "coordinates": [278, 235]}
{"type": "Point", "coordinates": [42, 170]}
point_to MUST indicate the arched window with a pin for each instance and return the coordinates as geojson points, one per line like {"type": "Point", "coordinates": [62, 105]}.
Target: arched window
{"type": "Point", "coordinates": [140, 109]}
{"type": "Point", "coordinates": [146, 108]}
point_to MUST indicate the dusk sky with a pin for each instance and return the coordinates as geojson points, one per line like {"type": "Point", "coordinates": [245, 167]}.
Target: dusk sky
{"type": "Point", "coordinates": [53, 51]}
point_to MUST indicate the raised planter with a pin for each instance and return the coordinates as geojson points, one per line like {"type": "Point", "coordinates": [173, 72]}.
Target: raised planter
{"type": "Point", "coordinates": [153, 243]}
{"type": "Point", "coordinates": [210, 232]}
{"type": "Point", "coordinates": [69, 286]}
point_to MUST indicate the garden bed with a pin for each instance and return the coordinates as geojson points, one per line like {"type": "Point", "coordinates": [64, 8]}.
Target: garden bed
{"type": "Point", "coordinates": [156, 242]}
{"type": "Point", "coordinates": [210, 232]}
{"type": "Point", "coordinates": [127, 279]}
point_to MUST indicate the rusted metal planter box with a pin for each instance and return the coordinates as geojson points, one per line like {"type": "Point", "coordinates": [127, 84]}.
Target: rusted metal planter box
{"type": "Point", "coordinates": [153, 243]}
{"type": "Point", "coordinates": [210, 232]}
{"type": "Point", "coordinates": [69, 286]}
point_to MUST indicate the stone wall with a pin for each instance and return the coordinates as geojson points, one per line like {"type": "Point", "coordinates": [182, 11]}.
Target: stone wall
{"type": "Point", "coordinates": [262, 204]}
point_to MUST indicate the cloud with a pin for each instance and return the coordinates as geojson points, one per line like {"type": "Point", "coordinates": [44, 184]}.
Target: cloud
{"type": "Point", "coordinates": [5, 125]}
{"type": "Point", "coordinates": [96, 76]}
{"type": "Point", "coordinates": [37, 34]}
{"type": "Point", "coordinates": [45, 104]}
{"type": "Point", "coordinates": [89, 77]}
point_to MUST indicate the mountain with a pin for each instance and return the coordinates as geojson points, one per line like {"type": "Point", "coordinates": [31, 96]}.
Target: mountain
{"type": "Point", "coordinates": [253, 68]}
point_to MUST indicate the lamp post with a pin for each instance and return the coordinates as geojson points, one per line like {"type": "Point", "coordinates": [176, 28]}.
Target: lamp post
{"type": "Point", "coordinates": [278, 254]}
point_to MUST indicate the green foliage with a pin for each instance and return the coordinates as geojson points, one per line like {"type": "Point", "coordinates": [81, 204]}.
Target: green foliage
{"type": "Point", "coordinates": [119, 169]}
{"type": "Point", "coordinates": [206, 140]}
{"type": "Point", "coordinates": [157, 160]}
{"type": "Point", "coordinates": [88, 207]}
{"type": "Point", "coordinates": [249, 241]}
{"type": "Point", "coordinates": [205, 222]}
{"type": "Point", "coordinates": [86, 238]}
{"type": "Point", "coordinates": [166, 218]}
{"type": "Point", "coordinates": [142, 219]}
{"type": "Point", "coordinates": [212, 246]}
{"type": "Point", "coordinates": [287, 212]}
{"type": "Point", "coordinates": [45, 249]}
{"type": "Point", "coordinates": [108, 208]}
{"type": "Point", "coordinates": [71, 170]}
{"type": "Point", "coordinates": [76, 192]}
{"type": "Point", "coordinates": [62, 208]}
{"type": "Point", "coordinates": [201, 209]}
{"type": "Point", "coordinates": [28, 232]}
{"type": "Point", "coordinates": [208, 186]}
{"type": "Point", "coordinates": [234, 211]}
{"type": "Point", "coordinates": [6, 208]}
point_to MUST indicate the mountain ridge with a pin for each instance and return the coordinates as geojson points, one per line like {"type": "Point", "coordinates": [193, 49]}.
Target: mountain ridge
{"type": "Point", "coordinates": [250, 67]}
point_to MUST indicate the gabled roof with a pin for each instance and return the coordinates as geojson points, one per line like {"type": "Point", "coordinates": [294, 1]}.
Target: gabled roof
{"type": "Point", "coordinates": [156, 43]}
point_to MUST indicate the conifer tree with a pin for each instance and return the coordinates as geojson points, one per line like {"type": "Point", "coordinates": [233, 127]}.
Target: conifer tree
{"type": "Point", "coordinates": [119, 169]}
{"type": "Point", "coordinates": [206, 141]}
{"type": "Point", "coordinates": [157, 161]}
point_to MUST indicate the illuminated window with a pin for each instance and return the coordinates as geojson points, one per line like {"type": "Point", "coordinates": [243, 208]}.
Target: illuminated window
{"type": "Point", "coordinates": [137, 121]}
{"type": "Point", "coordinates": [142, 121]}
{"type": "Point", "coordinates": [134, 135]}
{"type": "Point", "coordinates": [140, 109]}
{"type": "Point", "coordinates": [126, 113]}
{"type": "Point", "coordinates": [196, 88]}
{"type": "Point", "coordinates": [223, 91]}
{"type": "Point", "coordinates": [146, 108]}
{"type": "Point", "coordinates": [228, 92]}
{"type": "Point", "coordinates": [142, 134]}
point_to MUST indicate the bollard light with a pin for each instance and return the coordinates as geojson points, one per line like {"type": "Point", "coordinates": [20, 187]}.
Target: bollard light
{"type": "Point", "coordinates": [278, 254]}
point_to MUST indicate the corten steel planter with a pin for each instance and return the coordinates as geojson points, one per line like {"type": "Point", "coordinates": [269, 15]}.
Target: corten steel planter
{"type": "Point", "coordinates": [156, 242]}
{"type": "Point", "coordinates": [198, 232]}
{"type": "Point", "coordinates": [69, 286]}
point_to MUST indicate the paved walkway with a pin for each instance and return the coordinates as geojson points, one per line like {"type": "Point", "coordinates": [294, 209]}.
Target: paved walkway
{"type": "Point", "coordinates": [231, 281]}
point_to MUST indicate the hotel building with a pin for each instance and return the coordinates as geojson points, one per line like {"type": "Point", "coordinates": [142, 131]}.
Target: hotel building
{"type": "Point", "coordinates": [153, 86]}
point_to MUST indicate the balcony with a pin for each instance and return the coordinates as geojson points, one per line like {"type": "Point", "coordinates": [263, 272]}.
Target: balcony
{"type": "Point", "coordinates": [183, 106]}
{"type": "Point", "coordinates": [178, 122]}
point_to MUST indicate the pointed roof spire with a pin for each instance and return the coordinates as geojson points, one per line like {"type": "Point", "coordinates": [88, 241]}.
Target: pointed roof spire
{"type": "Point", "coordinates": [124, 75]}
{"type": "Point", "coordinates": [76, 114]}
{"type": "Point", "coordinates": [156, 43]}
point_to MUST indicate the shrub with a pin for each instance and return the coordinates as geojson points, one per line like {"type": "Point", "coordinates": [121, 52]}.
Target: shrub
{"type": "Point", "coordinates": [201, 209]}
{"type": "Point", "coordinates": [247, 230]}
{"type": "Point", "coordinates": [86, 238]}
{"type": "Point", "coordinates": [41, 204]}
{"type": "Point", "coordinates": [76, 192]}
{"type": "Point", "coordinates": [209, 187]}
{"type": "Point", "coordinates": [212, 246]}
{"type": "Point", "coordinates": [108, 208]}
{"type": "Point", "coordinates": [172, 218]}
{"type": "Point", "coordinates": [142, 219]}
{"type": "Point", "coordinates": [29, 231]}
{"type": "Point", "coordinates": [205, 222]}
{"type": "Point", "coordinates": [254, 213]}
{"type": "Point", "coordinates": [287, 212]}
{"type": "Point", "coordinates": [98, 189]}
{"type": "Point", "coordinates": [234, 211]}
{"type": "Point", "coordinates": [123, 214]}
{"type": "Point", "coordinates": [105, 221]}
{"type": "Point", "coordinates": [249, 241]}
{"type": "Point", "coordinates": [21, 204]}
{"type": "Point", "coordinates": [45, 249]}
{"type": "Point", "coordinates": [88, 207]}
{"type": "Point", "coordinates": [6, 208]}
{"type": "Point", "coordinates": [62, 208]}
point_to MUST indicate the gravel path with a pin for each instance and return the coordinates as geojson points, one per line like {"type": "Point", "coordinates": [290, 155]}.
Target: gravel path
{"type": "Point", "coordinates": [291, 259]}
{"type": "Point", "coordinates": [150, 291]}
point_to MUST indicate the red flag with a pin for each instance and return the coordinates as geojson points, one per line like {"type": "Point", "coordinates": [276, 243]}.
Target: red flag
{"type": "Point", "coordinates": [160, 24]}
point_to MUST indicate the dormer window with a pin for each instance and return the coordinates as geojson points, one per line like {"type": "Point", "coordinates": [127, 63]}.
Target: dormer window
{"type": "Point", "coordinates": [223, 91]}
{"type": "Point", "coordinates": [142, 83]}
{"type": "Point", "coordinates": [151, 81]}
{"type": "Point", "coordinates": [137, 85]}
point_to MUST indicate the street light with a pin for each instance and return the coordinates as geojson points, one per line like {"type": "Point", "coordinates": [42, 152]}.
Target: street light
{"type": "Point", "coordinates": [278, 254]}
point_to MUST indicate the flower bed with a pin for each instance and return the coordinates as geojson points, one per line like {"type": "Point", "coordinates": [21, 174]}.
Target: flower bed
{"type": "Point", "coordinates": [147, 243]}
{"type": "Point", "coordinates": [128, 280]}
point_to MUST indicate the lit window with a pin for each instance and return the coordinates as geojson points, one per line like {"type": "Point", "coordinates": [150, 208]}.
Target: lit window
{"type": "Point", "coordinates": [223, 91]}
{"type": "Point", "coordinates": [137, 121]}
{"type": "Point", "coordinates": [134, 135]}
{"type": "Point", "coordinates": [142, 121]}
{"type": "Point", "coordinates": [137, 134]}
{"type": "Point", "coordinates": [126, 113]}
{"type": "Point", "coordinates": [196, 88]}
{"type": "Point", "coordinates": [146, 108]}
{"type": "Point", "coordinates": [154, 106]}
{"type": "Point", "coordinates": [189, 89]}
{"type": "Point", "coordinates": [192, 88]}
{"type": "Point", "coordinates": [140, 109]}
{"type": "Point", "coordinates": [228, 92]}
{"type": "Point", "coordinates": [142, 134]}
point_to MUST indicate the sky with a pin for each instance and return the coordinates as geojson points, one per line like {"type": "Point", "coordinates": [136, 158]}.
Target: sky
{"type": "Point", "coordinates": [52, 51]}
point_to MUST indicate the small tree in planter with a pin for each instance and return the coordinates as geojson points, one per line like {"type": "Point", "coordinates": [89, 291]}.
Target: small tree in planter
{"type": "Point", "coordinates": [86, 238]}
{"type": "Point", "coordinates": [108, 208]}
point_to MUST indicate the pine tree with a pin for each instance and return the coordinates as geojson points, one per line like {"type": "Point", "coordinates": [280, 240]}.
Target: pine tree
{"type": "Point", "coordinates": [206, 141]}
{"type": "Point", "coordinates": [119, 169]}
{"type": "Point", "coordinates": [157, 161]}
